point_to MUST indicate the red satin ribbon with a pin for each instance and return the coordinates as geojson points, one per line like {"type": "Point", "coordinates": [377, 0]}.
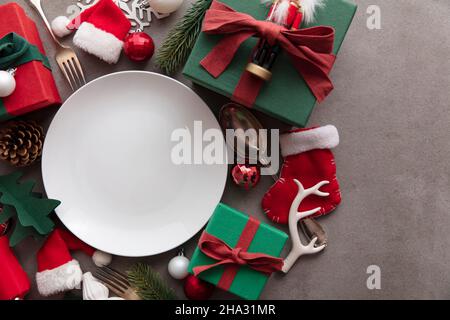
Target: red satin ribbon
{"type": "Point", "coordinates": [310, 49]}
{"type": "Point", "coordinates": [233, 258]}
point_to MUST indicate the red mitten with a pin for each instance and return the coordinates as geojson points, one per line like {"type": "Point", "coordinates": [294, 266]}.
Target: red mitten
{"type": "Point", "coordinates": [308, 158]}
{"type": "Point", "coordinates": [14, 281]}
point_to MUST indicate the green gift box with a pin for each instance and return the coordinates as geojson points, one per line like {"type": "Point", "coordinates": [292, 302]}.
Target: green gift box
{"type": "Point", "coordinates": [228, 224]}
{"type": "Point", "coordinates": [286, 96]}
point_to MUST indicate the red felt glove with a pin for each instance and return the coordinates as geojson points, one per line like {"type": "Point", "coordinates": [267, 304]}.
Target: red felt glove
{"type": "Point", "coordinates": [307, 158]}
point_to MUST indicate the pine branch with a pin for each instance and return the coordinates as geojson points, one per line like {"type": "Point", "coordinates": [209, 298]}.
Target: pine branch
{"type": "Point", "coordinates": [149, 284]}
{"type": "Point", "coordinates": [181, 39]}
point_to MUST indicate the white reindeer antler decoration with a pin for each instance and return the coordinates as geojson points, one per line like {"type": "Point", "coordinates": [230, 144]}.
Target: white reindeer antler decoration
{"type": "Point", "coordinates": [298, 249]}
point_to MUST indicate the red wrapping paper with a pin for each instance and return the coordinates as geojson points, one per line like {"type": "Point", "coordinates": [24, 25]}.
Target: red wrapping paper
{"type": "Point", "coordinates": [35, 85]}
{"type": "Point", "coordinates": [14, 282]}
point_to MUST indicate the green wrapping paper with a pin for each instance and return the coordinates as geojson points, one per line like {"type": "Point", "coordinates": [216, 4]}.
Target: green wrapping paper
{"type": "Point", "coordinates": [227, 224]}
{"type": "Point", "coordinates": [286, 96]}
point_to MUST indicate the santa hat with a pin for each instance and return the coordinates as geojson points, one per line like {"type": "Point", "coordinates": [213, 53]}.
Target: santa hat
{"type": "Point", "coordinates": [57, 270]}
{"type": "Point", "coordinates": [14, 281]}
{"type": "Point", "coordinates": [101, 30]}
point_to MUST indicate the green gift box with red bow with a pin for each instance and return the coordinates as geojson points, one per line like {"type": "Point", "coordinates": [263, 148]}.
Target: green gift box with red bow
{"type": "Point", "coordinates": [21, 47]}
{"type": "Point", "coordinates": [290, 95]}
{"type": "Point", "coordinates": [237, 253]}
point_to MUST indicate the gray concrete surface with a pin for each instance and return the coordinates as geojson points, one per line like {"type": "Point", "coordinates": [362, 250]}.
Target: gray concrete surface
{"type": "Point", "coordinates": [391, 105]}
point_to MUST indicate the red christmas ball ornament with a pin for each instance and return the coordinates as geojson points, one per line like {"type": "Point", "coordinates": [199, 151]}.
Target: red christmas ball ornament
{"type": "Point", "coordinates": [139, 46]}
{"type": "Point", "coordinates": [246, 176]}
{"type": "Point", "coordinates": [197, 289]}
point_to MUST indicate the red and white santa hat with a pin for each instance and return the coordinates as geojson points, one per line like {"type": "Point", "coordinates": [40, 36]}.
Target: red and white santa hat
{"type": "Point", "coordinates": [101, 30]}
{"type": "Point", "coordinates": [57, 270]}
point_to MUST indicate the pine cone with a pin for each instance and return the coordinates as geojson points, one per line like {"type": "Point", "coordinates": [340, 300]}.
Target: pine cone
{"type": "Point", "coordinates": [21, 142]}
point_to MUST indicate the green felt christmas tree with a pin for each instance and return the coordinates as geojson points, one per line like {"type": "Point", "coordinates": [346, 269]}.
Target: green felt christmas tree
{"type": "Point", "coordinates": [29, 208]}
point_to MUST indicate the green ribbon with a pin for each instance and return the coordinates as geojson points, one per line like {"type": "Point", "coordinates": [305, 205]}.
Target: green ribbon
{"type": "Point", "coordinates": [15, 51]}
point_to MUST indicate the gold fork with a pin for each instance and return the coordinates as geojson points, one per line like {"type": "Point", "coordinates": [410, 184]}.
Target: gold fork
{"type": "Point", "coordinates": [117, 282]}
{"type": "Point", "coordinates": [65, 57]}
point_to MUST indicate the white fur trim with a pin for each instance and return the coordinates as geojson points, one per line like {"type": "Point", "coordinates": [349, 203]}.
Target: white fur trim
{"type": "Point", "coordinates": [101, 258]}
{"type": "Point", "coordinates": [59, 26]}
{"type": "Point", "coordinates": [280, 13]}
{"type": "Point", "coordinates": [65, 277]}
{"type": "Point", "coordinates": [326, 137]}
{"type": "Point", "coordinates": [100, 43]}
{"type": "Point", "coordinates": [309, 8]}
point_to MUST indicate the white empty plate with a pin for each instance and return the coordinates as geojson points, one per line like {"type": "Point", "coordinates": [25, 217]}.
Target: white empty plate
{"type": "Point", "coordinates": [107, 158]}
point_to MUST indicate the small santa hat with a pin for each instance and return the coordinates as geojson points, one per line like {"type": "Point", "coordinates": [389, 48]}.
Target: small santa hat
{"type": "Point", "coordinates": [57, 270]}
{"type": "Point", "coordinates": [101, 30]}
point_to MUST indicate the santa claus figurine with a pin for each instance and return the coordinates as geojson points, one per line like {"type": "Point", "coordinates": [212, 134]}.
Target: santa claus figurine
{"type": "Point", "coordinates": [289, 14]}
{"type": "Point", "coordinates": [286, 13]}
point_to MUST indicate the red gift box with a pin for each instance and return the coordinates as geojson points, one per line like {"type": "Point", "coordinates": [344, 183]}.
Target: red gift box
{"type": "Point", "coordinates": [14, 281]}
{"type": "Point", "coordinates": [35, 86]}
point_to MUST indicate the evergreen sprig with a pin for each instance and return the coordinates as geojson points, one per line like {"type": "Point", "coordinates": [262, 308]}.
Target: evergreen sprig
{"type": "Point", "coordinates": [149, 283]}
{"type": "Point", "coordinates": [181, 39]}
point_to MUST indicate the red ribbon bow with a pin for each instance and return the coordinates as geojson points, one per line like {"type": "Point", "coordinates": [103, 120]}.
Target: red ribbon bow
{"type": "Point", "coordinates": [310, 49]}
{"type": "Point", "coordinates": [218, 250]}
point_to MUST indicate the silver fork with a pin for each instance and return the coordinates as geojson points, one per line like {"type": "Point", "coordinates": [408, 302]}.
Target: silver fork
{"type": "Point", "coordinates": [117, 282]}
{"type": "Point", "coordinates": [65, 56]}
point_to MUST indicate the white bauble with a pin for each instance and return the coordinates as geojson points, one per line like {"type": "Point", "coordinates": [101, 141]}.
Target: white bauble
{"type": "Point", "coordinates": [178, 267]}
{"type": "Point", "coordinates": [101, 259]}
{"type": "Point", "coordinates": [7, 83]}
{"type": "Point", "coordinates": [165, 6]}
{"type": "Point", "coordinates": [59, 26]}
